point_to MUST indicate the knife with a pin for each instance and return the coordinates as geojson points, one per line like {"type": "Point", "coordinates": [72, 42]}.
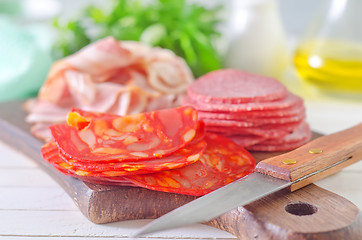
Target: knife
{"type": "Point", "coordinates": [315, 160]}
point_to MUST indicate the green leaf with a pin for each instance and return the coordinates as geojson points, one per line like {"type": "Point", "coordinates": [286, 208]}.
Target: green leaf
{"type": "Point", "coordinates": [184, 28]}
{"type": "Point", "coordinates": [188, 51]}
{"type": "Point", "coordinates": [153, 34]}
{"type": "Point", "coordinates": [96, 14]}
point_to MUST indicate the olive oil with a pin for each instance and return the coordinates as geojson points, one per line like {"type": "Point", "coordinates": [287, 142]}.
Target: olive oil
{"type": "Point", "coordinates": [331, 65]}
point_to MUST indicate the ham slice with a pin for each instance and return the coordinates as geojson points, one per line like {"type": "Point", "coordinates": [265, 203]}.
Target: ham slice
{"type": "Point", "coordinates": [112, 77]}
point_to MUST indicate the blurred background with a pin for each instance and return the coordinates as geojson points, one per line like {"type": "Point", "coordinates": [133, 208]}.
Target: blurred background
{"type": "Point", "coordinates": [311, 46]}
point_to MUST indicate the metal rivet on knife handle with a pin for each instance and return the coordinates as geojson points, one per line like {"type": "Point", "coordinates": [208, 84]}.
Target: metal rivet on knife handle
{"type": "Point", "coordinates": [315, 151]}
{"type": "Point", "coordinates": [289, 161]}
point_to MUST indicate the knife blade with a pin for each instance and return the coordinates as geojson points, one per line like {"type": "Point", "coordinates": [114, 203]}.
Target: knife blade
{"type": "Point", "coordinates": [315, 160]}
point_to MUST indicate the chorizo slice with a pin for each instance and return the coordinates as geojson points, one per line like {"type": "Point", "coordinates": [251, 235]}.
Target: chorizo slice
{"type": "Point", "coordinates": [50, 154]}
{"type": "Point", "coordinates": [182, 157]}
{"type": "Point", "coordinates": [137, 136]}
{"type": "Point", "coordinates": [222, 162]}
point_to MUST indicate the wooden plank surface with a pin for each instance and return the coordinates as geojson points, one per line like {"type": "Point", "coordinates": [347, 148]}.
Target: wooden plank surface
{"type": "Point", "coordinates": [13, 165]}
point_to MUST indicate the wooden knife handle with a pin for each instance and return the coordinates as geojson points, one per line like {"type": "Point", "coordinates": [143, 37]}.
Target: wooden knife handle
{"type": "Point", "coordinates": [317, 159]}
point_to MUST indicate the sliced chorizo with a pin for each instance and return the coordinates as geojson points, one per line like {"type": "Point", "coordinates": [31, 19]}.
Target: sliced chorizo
{"type": "Point", "coordinates": [137, 136]}
{"type": "Point", "coordinates": [222, 162]}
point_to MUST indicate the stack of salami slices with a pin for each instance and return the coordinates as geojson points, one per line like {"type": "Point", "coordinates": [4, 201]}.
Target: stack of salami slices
{"type": "Point", "coordinates": [256, 112]}
{"type": "Point", "coordinates": [166, 150]}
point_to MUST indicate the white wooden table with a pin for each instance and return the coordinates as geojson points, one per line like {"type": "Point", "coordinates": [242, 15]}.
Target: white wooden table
{"type": "Point", "coordinates": [33, 206]}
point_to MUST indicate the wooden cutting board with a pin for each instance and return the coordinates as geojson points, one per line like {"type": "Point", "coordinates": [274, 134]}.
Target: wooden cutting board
{"type": "Point", "coordinates": [309, 213]}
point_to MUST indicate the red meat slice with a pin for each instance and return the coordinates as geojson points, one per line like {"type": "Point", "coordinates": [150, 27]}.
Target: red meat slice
{"type": "Point", "coordinates": [292, 111]}
{"type": "Point", "coordinates": [234, 86]}
{"type": "Point", "coordinates": [256, 112]}
{"type": "Point", "coordinates": [246, 140]}
{"type": "Point", "coordinates": [181, 158]}
{"type": "Point", "coordinates": [266, 131]}
{"type": "Point", "coordinates": [250, 123]}
{"type": "Point", "coordinates": [50, 153]}
{"type": "Point", "coordinates": [138, 136]}
{"type": "Point", "coordinates": [297, 138]}
{"type": "Point", "coordinates": [222, 162]}
{"type": "Point", "coordinates": [219, 118]}
{"type": "Point", "coordinates": [301, 133]}
{"type": "Point", "coordinates": [278, 147]}
{"type": "Point", "coordinates": [184, 156]}
{"type": "Point", "coordinates": [290, 101]}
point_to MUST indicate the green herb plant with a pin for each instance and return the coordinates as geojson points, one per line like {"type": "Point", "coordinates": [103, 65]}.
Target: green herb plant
{"type": "Point", "coordinates": [188, 29]}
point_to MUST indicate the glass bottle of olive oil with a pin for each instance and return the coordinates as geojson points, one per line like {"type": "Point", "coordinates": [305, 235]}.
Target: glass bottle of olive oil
{"type": "Point", "coordinates": [330, 56]}
{"type": "Point", "coordinates": [331, 65]}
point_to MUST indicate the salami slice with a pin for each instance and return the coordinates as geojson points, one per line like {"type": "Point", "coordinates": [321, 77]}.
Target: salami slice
{"type": "Point", "coordinates": [266, 131]}
{"type": "Point", "coordinates": [256, 112]}
{"type": "Point", "coordinates": [222, 162]}
{"type": "Point", "coordinates": [234, 86]}
{"type": "Point", "coordinates": [300, 134]}
{"type": "Point", "coordinates": [254, 120]}
{"type": "Point", "coordinates": [276, 147]}
{"type": "Point", "coordinates": [138, 136]}
{"type": "Point", "coordinates": [246, 140]}
{"type": "Point", "coordinates": [251, 123]}
{"type": "Point", "coordinates": [292, 111]}
{"type": "Point", "coordinates": [290, 101]}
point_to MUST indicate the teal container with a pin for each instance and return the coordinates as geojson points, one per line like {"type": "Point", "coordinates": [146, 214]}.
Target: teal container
{"type": "Point", "coordinates": [24, 64]}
